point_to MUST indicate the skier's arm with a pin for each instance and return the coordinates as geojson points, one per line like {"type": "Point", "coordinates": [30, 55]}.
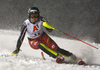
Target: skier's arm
{"type": "Point", "coordinates": [21, 37]}
{"type": "Point", "coordinates": [44, 20]}
{"type": "Point", "coordinates": [20, 40]}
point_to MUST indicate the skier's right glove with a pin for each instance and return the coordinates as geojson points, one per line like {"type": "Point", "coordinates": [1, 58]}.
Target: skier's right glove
{"type": "Point", "coordinates": [15, 53]}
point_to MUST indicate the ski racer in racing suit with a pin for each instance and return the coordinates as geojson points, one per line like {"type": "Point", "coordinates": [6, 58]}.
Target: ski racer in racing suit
{"type": "Point", "coordinates": [38, 39]}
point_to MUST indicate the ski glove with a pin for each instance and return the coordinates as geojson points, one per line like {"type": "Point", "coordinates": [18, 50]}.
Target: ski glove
{"type": "Point", "coordinates": [15, 53]}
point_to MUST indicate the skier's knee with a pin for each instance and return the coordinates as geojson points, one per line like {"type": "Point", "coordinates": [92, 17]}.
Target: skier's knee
{"type": "Point", "coordinates": [47, 51]}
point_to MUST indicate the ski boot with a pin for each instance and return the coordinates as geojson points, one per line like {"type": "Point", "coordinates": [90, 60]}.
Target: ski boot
{"type": "Point", "coordinates": [59, 59]}
{"type": "Point", "coordinates": [80, 62]}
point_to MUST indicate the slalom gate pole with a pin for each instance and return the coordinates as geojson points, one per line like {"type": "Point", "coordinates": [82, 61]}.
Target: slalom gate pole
{"type": "Point", "coordinates": [46, 24]}
{"type": "Point", "coordinates": [43, 56]}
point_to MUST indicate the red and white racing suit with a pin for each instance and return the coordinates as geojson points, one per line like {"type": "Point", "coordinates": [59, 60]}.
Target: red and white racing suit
{"type": "Point", "coordinates": [36, 35]}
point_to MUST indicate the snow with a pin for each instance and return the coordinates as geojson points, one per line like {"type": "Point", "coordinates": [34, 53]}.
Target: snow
{"type": "Point", "coordinates": [30, 59]}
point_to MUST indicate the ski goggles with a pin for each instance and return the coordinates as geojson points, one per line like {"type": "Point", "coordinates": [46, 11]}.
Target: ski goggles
{"type": "Point", "coordinates": [34, 16]}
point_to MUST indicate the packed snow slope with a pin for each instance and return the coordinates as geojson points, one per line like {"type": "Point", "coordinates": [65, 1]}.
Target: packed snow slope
{"type": "Point", "coordinates": [30, 59]}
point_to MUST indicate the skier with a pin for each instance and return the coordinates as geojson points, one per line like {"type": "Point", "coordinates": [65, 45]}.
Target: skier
{"type": "Point", "coordinates": [38, 39]}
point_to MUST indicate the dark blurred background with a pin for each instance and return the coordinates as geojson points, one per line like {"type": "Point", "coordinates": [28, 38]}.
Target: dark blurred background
{"type": "Point", "coordinates": [79, 18]}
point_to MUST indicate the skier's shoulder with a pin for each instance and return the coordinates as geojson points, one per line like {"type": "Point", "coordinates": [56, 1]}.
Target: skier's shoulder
{"type": "Point", "coordinates": [24, 25]}
{"type": "Point", "coordinates": [26, 22]}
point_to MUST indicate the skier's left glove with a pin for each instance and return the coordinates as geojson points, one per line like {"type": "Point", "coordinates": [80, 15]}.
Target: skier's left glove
{"type": "Point", "coordinates": [15, 52]}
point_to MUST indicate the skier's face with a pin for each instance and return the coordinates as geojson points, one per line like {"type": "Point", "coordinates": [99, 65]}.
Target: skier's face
{"type": "Point", "coordinates": [33, 18]}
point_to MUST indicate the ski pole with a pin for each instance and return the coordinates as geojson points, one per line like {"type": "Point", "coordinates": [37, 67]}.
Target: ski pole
{"type": "Point", "coordinates": [46, 24]}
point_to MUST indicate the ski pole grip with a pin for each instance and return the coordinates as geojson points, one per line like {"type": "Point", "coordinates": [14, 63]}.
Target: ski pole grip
{"type": "Point", "coordinates": [47, 25]}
